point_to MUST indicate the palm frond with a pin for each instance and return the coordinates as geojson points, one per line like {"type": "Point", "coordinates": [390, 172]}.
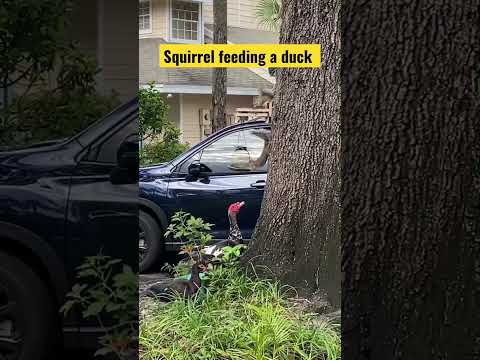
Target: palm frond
{"type": "Point", "coordinates": [268, 13]}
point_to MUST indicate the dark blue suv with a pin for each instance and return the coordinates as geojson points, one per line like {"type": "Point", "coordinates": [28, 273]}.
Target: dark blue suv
{"type": "Point", "coordinates": [62, 201]}
{"type": "Point", "coordinates": [203, 181]}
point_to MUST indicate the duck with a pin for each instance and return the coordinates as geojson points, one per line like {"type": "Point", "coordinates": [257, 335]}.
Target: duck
{"type": "Point", "coordinates": [179, 287]}
{"type": "Point", "coordinates": [234, 235]}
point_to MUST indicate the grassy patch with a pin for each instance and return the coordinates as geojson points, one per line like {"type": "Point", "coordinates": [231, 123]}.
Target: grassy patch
{"type": "Point", "coordinates": [241, 318]}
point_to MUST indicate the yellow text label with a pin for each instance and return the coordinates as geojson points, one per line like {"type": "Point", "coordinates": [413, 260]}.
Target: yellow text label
{"type": "Point", "coordinates": [240, 56]}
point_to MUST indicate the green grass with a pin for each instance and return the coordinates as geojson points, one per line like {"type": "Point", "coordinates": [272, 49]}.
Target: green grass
{"type": "Point", "coordinates": [240, 319]}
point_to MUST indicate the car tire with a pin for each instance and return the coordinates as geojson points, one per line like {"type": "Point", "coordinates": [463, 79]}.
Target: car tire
{"type": "Point", "coordinates": [153, 239]}
{"type": "Point", "coordinates": [29, 323]}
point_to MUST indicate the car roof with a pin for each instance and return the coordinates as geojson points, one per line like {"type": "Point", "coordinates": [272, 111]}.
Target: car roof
{"type": "Point", "coordinates": [254, 122]}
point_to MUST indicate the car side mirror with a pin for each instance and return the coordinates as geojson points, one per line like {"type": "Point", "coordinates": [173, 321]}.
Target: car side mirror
{"type": "Point", "coordinates": [127, 154]}
{"type": "Point", "coordinates": [126, 171]}
{"type": "Point", "coordinates": [197, 170]}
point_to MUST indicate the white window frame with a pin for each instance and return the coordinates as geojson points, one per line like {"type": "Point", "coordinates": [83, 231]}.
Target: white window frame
{"type": "Point", "coordinates": [201, 23]}
{"type": "Point", "coordinates": [149, 30]}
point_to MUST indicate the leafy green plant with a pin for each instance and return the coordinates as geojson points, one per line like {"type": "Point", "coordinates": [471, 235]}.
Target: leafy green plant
{"type": "Point", "coordinates": [153, 112]}
{"type": "Point", "coordinates": [50, 113]}
{"type": "Point", "coordinates": [32, 34]}
{"type": "Point", "coordinates": [107, 291]}
{"type": "Point", "coordinates": [195, 231]}
{"type": "Point", "coordinates": [268, 13]}
{"type": "Point", "coordinates": [160, 138]}
{"type": "Point", "coordinates": [160, 151]}
{"type": "Point", "coordinates": [231, 254]}
{"type": "Point", "coordinates": [241, 318]}
{"type": "Point", "coordinates": [178, 270]}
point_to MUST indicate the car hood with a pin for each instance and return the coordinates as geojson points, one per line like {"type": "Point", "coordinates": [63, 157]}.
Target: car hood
{"type": "Point", "coordinates": [154, 171]}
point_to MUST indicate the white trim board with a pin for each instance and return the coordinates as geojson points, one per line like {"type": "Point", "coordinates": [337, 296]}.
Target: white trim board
{"type": "Point", "coordinates": [202, 89]}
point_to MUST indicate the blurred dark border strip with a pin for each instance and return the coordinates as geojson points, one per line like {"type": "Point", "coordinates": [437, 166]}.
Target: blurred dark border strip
{"type": "Point", "coordinates": [410, 177]}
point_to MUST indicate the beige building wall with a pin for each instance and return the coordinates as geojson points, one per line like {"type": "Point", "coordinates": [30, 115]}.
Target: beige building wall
{"type": "Point", "coordinates": [84, 25]}
{"type": "Point", "coordinates": [159, 20]}
{"type": "Point", "coordinates": [190, 112]}
{"type": "Point", "coordinates": [240, 13]}
{"type": "Point", "coordinates": [174, 109]}
{"type": "Point", "coordinates": [117, 47]}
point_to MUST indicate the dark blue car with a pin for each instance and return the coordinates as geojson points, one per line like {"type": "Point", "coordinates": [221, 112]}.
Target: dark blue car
{"type": "Point", "coordinates": [203, 182]}
{"type": "Point", "coordinates": [60, 202]}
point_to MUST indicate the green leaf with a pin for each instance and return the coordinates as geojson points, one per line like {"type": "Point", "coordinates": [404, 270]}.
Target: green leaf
{"type": "Point", "coordinates": [93, 310]}
{"type": "Point", "coordinates": [111, 307]}
{"type": "Point", "coordinates": [86, 273]}
{"type": "Point", "coordinates": [67, 307]}
{"type": "Point", "coordinates": [103, 351]}
{"type": "Point", "coordinates": [77, 290]}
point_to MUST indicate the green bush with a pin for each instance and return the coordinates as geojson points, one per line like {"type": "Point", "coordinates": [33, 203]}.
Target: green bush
{"type": "Point", "coordinates": [241, 318]}
{"type": "Point", "coordinates": [160, 138]}
{"type": "Point", "coordinates": [107, 291]}
{"type": "Point", "coordinates": [159, 151]}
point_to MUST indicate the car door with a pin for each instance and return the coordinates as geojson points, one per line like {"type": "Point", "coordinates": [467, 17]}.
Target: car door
{"type": "Point", "coordinates": [102, 214]}
{"type": "Point", "coordinates": [210, 197]}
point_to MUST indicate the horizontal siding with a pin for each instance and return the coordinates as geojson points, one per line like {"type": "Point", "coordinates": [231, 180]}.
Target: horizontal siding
{"type": "Point", "coordinates": [241, 13]}
{"type": "Point", "coordinates": [190, 116]}
{"type": "Point", "coordinates": [247, 10]}
{"type": "Point", "coordinates": [159, 19]}
{"type": "Point", "coordinates": [119, 56]}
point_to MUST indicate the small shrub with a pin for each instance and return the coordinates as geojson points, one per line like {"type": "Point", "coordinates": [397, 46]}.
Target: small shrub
{"type": "Point", "coordinates": [156, 151]}
{"type": "Point", "coordinates": [106, 291]}
{"type": "Point", "coordinates": [160, 138]}
{"type": "Point", "coordinates": [194, 231]}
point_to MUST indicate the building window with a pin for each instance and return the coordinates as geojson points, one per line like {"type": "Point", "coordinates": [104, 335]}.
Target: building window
{"type": "Point", "coordinates": [145, 16]}
{"type": "Point", "coordinates": [186, 21]}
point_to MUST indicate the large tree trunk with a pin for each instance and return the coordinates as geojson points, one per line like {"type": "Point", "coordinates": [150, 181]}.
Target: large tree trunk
{"type": "Point", "coordinates": [411, 209]}
{"type": "Point", "coordinates": [219, 90]}
{"type": "Point", "coordinates": [297, 234]}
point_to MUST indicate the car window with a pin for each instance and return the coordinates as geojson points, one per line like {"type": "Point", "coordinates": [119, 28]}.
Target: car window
{"type": "Point", "coordinates": [106, 150]}
{"type": "Point", "coordinates": [231, 154]}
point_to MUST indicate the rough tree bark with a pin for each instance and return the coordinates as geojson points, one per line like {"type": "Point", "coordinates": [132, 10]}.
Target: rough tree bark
{"type": "Point", "coordinates": [219, 89]}
{"type": "Point", "coordinates": [297, 234]}
{"type": "Point", "coordinates": [411, 208]}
